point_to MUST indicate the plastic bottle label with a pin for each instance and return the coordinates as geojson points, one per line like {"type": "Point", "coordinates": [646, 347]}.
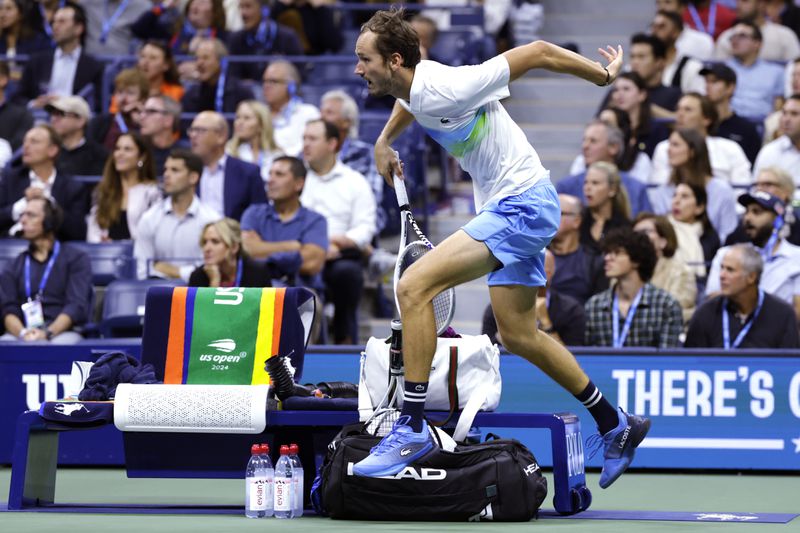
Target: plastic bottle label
{"type": "Point", "coordinates": [283, 490]}
{"type": "Point", "coordinates": [258, 494]}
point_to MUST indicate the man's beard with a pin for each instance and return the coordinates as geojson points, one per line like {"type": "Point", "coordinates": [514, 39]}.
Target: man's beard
{"type": "Point", "coordinates": [761, 236]}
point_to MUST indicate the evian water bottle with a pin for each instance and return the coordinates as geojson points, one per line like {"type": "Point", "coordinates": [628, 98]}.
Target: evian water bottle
{"type": "Point", "coordinates": [294, 457]}
{"type": "Point", "coordinates": [256, 485]}
{"type": "Point", "coordinates": [283, 487]}
{"type": "Point", "coordinates": [264, 453]}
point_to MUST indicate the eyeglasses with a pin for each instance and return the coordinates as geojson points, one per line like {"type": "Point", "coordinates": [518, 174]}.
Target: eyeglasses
{"type": "Point", "coordinates": [274, 81]}
{"type": "Point", "coordinates": [767, 184]}
{"type": "Point", "coordinates": [736, 36]}
{"type": "Point", "coordinates": [61, 114]}
{"type": "Point", "coordinates": [152, 111]}
{"type": "Point", "coordinates": [198, 130]}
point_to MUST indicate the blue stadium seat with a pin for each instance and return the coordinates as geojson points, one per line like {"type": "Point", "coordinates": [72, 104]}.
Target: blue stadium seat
{"type": "Point", "coordinates": [123, 306]}
{"type": "Point", "coordinates": [110, 260]}
{"type": "Point", "coordinates": [456, 47]}
{"type": "Point", "coordinates": [10, 249]}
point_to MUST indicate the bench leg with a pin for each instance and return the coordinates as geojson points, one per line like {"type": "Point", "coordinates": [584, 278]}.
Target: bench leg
{"type": "Point", "coordinates": [34, 463]}
{"type": "Point", "coordinates": [571, 493]}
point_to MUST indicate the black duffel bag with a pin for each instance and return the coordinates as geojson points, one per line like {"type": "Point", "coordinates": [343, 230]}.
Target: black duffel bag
{"type": "Point", "coordinates": [497, 480]}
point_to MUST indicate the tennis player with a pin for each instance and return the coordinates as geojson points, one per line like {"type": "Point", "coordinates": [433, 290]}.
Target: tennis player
{"type": "Point", "coordinates": [518, 215]}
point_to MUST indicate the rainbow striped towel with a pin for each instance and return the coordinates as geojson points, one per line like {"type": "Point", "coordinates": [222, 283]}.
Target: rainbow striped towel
{"type": "Point", "coordinates": [224, 335]}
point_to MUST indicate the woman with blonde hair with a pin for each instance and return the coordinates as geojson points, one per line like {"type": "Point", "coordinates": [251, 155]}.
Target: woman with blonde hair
{"type": "Point", "coordinates": [126, 190]}
{"type": "Point", "coordinates": [607, 204]}
{"type": "Point", "coordinates": [253, 136]}
{"type": "Point", "coordinates": [224, 262]}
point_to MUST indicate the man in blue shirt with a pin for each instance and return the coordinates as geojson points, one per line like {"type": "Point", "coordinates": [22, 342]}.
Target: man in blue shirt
{"type": "Point", "coordinates": [758, 83]}
{"type": "Point", "coordinates": [602, 142]}
{"type": "Point", "coordinates": [293, 238]}
{"type": "Point", "coordinates": [47, 290]}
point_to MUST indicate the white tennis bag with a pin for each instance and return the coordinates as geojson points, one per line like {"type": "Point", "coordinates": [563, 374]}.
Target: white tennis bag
{"type": "Point", "coordinates": [461, 369]}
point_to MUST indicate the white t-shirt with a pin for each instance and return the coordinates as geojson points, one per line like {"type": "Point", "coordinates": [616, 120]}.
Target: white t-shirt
{"type": "Point", "coordinates": [289, 125]}
{"type": "Point", "coordinates": [460, 109]}
{"type": "Point", "coordinates": [696, 44]}
{"type": "Point", "coordinates": [728, 162]}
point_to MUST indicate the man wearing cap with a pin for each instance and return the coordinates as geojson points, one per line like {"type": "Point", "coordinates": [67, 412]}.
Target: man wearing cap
{"type": "Point", "coordinates": [759, 83]}
{"type": "Point", "coordinates": [764, 224]}
{"type": "Point", "coordinates": [743, 315]}
{"type": "Point", "coordinates": [78, 156]}
{"type": "Point", "coordinates": [720, 86]}
{"type": "Point", "coordinates": [784, 152]}
{"type": "Point", "coordinates": [777, 181]}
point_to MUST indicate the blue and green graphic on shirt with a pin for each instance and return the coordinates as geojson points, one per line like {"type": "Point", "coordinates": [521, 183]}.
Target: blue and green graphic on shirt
{"type": "Point", "coordinates": [463, 140]}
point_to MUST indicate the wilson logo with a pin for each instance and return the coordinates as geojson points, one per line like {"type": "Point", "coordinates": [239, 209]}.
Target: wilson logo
{"type": "Point", "coordinates": [418, 231]}
{"type": "Point", "coordinates": [223, 345]}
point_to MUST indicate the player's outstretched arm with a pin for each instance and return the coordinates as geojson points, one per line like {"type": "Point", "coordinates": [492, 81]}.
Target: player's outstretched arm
{"type": "Point", "coordinates": [386, 160]}
{"type": "Point", "coordinates": [541, 54]}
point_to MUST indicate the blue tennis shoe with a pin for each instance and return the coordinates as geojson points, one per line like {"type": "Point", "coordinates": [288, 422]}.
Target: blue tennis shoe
{"type": "Point", "coordinates": [619, 446]}
{"type": "Point", "coordinates": [401, 447]}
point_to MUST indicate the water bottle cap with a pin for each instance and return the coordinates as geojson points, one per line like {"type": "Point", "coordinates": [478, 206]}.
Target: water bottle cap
{"type": "Point", "coordinates": [264, 448]}
{"type": "Point", "coordinates": [294, 449]}
{"type": "Point", "coordinates": [255, 449]}
{"type": "Point", "coordinates": [284, 449]}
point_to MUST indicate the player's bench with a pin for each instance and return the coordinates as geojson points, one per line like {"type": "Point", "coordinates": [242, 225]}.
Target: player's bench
{"type": "Point", "coordinates": [192, 455]}
{"type": "Point", "coordinates": [171, 333]}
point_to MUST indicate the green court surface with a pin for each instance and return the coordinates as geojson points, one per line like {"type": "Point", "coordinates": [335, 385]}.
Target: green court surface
{"type": "Point", "coordinates": [634, 491]}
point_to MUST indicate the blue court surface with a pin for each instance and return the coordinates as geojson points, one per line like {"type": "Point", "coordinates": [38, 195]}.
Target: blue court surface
{"type": "Point", "coordinates": [637, 502]}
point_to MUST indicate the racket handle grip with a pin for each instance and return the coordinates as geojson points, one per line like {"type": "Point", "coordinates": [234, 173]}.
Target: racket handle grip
{"type": "Point", "coordinates": [400, 191]}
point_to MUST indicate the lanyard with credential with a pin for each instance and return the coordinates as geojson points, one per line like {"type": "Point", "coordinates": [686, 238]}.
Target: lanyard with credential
{"type": "Point", "coordinates": [265, 33]}
{"type": "Point", "coordinates": [219, 98]}
{"type": "Point", "coordinates": [110, 21]}
{"type": "Point", "coordinates": [619, 340]}
{"type": "Point", "coordinates": [45, 275]}
{"type": "Point", "coordinates": [726, 323]}
{"type": "Point", "coordinates": [712, 18]}
{"type": "Point", "coordinates": [767, 251]}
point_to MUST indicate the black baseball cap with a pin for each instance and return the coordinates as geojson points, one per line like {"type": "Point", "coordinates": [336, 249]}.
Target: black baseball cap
{"type": "Point", "coordinates": [720, 70]}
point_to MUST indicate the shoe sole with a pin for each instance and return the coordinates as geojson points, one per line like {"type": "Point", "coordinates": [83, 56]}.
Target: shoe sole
{"type": "Point", "coordinates": [397, 467]}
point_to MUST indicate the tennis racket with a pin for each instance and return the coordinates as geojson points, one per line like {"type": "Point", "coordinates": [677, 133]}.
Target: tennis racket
{"type": "Point", "coordinates": [444, 303]}
{"type": "Point", "coordinates": [387, 411]}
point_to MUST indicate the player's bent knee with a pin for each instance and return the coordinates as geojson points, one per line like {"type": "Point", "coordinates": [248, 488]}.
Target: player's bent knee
{"type": "Point", "coordinates": [411, 292]}
{"type": "Point", "coordinates": [521, 341]}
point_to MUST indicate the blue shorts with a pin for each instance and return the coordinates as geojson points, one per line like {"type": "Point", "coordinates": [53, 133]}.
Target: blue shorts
{"type": "Point", "coordinates": [516, 230]}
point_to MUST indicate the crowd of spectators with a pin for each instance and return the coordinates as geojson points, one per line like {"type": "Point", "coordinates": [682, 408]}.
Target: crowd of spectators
{"type": "Point", "coordinates": [679, 207]}
{"type": "Point", "coordinates": [696, 146]}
